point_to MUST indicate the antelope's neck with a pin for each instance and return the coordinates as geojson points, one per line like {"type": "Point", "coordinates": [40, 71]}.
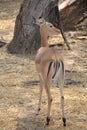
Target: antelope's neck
{"type": "Point", "coordinates": [44, 42]}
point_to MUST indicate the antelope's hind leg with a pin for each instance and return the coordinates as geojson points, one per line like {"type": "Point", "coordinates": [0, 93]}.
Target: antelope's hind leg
{"type": "Point", "coordinates": [47, 88]}
{"type": "Point", "coordinates": [40, 97]}
{"type": "Point", "coordinates": [61, 84]}
{"type": "Point", "coordinates": [62, 101]}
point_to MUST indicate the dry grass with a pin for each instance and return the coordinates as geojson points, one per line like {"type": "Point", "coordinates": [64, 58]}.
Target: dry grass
{"type": "Point", "coordinates": [8, 9]}
{"type": "Point", "coordinates": [19, 86]}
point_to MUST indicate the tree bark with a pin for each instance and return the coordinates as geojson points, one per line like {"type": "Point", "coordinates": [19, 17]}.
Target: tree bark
{"type": "Point", "coordinates": [72, 13]}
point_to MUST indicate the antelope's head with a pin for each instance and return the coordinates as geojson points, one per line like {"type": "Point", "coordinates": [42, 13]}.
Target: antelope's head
{"type": "Point", "coordinates": [46, 27]}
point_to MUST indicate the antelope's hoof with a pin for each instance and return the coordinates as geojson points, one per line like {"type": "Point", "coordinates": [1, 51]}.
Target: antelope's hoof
{"type": "Point", "coordinates": [47, 121]}
{"type": "Point", "coordinates": [64, 121]}
{"type": "Point", "coordinates": [64, 124]}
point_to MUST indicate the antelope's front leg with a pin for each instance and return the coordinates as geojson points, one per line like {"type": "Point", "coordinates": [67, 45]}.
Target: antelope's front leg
{"type": "Point", "coordinates": [49, 103]}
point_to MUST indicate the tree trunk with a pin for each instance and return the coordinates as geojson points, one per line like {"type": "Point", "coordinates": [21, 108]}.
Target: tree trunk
{"type": "Point", "coordinates": [72, 12]}
{"type": "Point", "coordinates": [26, 35]}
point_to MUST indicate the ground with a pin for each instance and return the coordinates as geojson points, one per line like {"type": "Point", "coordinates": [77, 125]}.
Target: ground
{"type": "Point", "coordinates": [19, 83]}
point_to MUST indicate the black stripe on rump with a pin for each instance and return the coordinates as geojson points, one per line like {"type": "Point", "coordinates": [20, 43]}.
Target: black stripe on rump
{"type": "Point", "coordinates": [49, 68]}
{"type": "Point", "coordinates": [62, 66]}
{"type": "Point", "coordinates": [56, 67]}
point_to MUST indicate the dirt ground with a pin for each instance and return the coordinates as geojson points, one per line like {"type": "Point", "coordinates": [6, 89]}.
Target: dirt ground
{"type": "Point", "coordinates": [19, 83]}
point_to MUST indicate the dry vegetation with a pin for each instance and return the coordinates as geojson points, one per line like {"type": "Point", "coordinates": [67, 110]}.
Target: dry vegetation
{"type": "Point", "coordinates": [19, 85]}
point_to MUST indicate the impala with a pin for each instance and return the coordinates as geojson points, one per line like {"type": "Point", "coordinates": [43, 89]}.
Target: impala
{"type": "Point", "coordinates": [50, 66]}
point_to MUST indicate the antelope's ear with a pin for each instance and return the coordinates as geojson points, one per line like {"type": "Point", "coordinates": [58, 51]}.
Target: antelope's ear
{"type": "Point", "coordinates": [42, 20]}
{"type": "Point", "coordinates": [38, 21]}
{"type": "Point", "coordinates": [34, 20]}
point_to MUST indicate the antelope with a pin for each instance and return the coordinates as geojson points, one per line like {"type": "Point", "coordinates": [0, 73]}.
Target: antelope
{"type": "Point", "coordinates": [49, 65]}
